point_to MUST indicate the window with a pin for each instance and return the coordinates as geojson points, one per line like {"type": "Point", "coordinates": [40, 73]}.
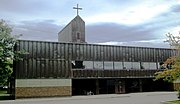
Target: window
{"type": "Point", "coordinates": [88, 64]}
{"type": "Point", "coordinates": [118, 65]}
{"type": "Point", "coordinates": [98, 64]}
{"type": "Point", "coordinates": [149, 65]}
{"type": "Point", "coordinates": [136, 65]}
{"type": "Point", "coordinates": [108, 65]}
{"type": "Point", "coordinates": [145, 65]}
{"type": "Point", "coordinates": [128, 65]}
{"type": "Point", "coordinates": [152, 65]}
{"type": "Point", "coordinates": [78, 35]}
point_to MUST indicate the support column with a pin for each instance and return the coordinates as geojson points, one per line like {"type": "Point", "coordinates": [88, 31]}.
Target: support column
{"type": "Point", "coordinates": [140, 85]}
{"type": "Point", "coordinates": [97, 86]}
{"type": "Point", "coordinates": [116, 87]}
{"type": "Point", "coordinates": [123, 86]}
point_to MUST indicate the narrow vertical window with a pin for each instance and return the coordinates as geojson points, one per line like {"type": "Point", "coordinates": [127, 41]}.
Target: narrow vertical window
{"type": "Point", "coordinates": [78, 35]}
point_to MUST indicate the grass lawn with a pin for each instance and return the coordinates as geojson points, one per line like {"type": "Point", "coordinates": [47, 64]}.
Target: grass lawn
{"type": "Point", "coordinates": [5, 96]}
{"type": "Point", "coordinates": [3, 92]}
{"type": "Point", "coordinates": [176, 102]}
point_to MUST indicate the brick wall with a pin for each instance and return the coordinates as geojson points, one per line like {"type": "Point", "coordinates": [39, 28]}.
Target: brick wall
{"type": "Point", "coordinates": [24, 92]}
{"type": "Point", "coordinates": [176, 86]}
{"type": "Point", "coordinates": [26, 88]}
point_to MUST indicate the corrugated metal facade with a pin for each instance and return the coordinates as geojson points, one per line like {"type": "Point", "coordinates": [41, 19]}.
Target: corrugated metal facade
{"type": "Point", "coordinates": [53, 59]}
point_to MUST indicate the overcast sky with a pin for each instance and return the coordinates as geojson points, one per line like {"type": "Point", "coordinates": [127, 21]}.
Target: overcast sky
{"type": "Point", "coordinates": [114, 22]}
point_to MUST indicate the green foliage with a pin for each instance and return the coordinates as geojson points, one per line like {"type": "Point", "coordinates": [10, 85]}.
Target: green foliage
{"type": "Point", "coordinates": [170, 75]}
{"type": "Point", "coordinates": [5, 71]}
{"type": "Point", "coordinates": [7, 53]}
{"type": "Point", "coordinates": [174, 102]}
{"type": "Point", "coordinates": [173, 73]}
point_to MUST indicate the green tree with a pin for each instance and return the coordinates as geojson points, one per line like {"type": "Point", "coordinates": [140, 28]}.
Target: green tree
{"type": "Point", "coordinates": [172, 64]}
{"type": "Point", "coordinates": [7, 53]}
{"type": "Point", "coordinates": [172, 70]}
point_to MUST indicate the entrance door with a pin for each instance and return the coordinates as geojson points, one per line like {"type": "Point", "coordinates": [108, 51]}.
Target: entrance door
{"type": "Point", "coordinates": [119, 86]}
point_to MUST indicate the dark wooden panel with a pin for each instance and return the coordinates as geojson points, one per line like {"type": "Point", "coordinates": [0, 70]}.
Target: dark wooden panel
{"type": "Point", "coordinates": [53, 59]}
{"type": "Point", "coordinates": [44, 60]}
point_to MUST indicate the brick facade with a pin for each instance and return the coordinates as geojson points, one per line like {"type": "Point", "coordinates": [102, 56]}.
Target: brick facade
{"type": "Point", "coordinates": [29, 92]}
{"type": "Point", "coordinates": [176, 86]}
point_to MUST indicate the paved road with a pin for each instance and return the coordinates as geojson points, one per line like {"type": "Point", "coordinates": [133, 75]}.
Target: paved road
{"type": "Point", "coordinates": [132, 98]}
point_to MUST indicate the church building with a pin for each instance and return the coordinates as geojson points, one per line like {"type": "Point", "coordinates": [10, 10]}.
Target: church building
{"type": "Point", "coordinates": [74, 67]}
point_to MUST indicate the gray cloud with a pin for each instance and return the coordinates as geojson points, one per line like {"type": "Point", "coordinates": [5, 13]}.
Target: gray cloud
{"type": "Point", "coordinates": [176, 8]}
{"type": "Point", "coordinates": [44, 30]}
{"type": "Point", "coordinates": [154, 29]}
{"type": "Point", "coordinates": [17, 6]}
{"type": "Point", "coordinates": [157, 44]}
{"type": "Point", "coordinates": [47, 31]}
{"type": "Point", "coordinates": [34, 8]}
{"type": "Point", "coordinates": [115, 32]}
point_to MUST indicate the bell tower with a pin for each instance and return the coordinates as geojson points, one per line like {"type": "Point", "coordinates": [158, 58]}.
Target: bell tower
{"type": "Point", "coordinates": [74, 31]}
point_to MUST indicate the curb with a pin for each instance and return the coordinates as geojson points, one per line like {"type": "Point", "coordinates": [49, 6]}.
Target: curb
{"type": "Point", "coordinates": [97, 97]}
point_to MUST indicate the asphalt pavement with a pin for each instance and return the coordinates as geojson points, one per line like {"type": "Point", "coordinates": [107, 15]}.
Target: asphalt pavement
{"type": "Point", "coordinates": [131, 98]}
